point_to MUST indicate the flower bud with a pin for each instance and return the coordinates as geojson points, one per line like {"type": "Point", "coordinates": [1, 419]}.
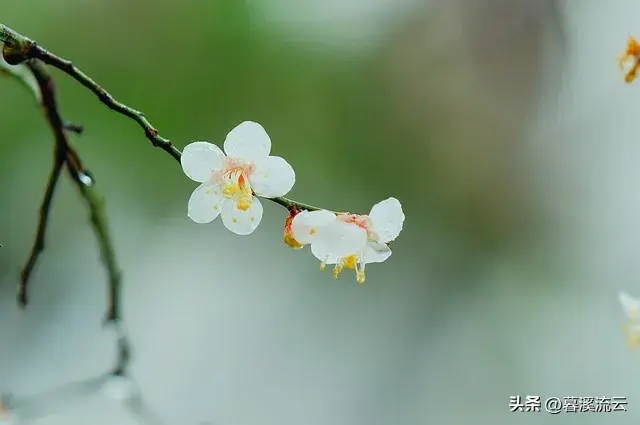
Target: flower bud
{"type": "Point", "coordinates": [288, 233]}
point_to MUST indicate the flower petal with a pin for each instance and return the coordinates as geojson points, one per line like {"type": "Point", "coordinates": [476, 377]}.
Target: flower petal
{"type": "Point", "coordinates": [200, 159]}
{"type": "Point", "coordinates": [630, 305]}
{"type": "Point", "coordinates": [305, 224]}
{"type": "Point", "coordinates": [272, 177]}
{"type": "Point", "coordinates": [375, 252]}
{"type": "Point", "coordinates": [205, 203]}
{"type": "Point", "coordinates": [248, 141]}
{"type": "Point", "coordinates": [242, 222]}
{"type": "Point", "coordinates": [338, 239]}
{"type": "Point", "coordinates": [387, 219]}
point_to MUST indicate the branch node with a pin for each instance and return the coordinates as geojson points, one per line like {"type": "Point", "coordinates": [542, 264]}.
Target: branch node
{"type": "Point", "coordinates": [152, 134]}
{"type": "Point", "coordinates": [74, 128]}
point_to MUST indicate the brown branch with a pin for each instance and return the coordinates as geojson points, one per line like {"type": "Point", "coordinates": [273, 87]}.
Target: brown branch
{"type": "Point", "coordinates": [38, 245]}
{"type": "Point", "coordinates": [74, 128]}
{"type": "Point", "coordinates": [66, 155]}
{"type": "Point", "coordinates": [19, 48]}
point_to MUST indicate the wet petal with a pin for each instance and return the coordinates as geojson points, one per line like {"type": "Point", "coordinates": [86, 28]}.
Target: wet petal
{"type": "Point", "coordinates": [375, 252]}
{"type": "Point", "coordinates": [200, 159]}
{"type": "Point", "coordinates": [326, 259]}
{"type": "Point", "coordinates": [387, 219]}
{"type": "Point", "coordinates": [272, 177]}
{"type": "Point", "coordinates": [338, 239]}
{"type": "Point", "coordinates": [306, 224]}
{"type": "Point", "coordinates": [242, 222]}
{"type": "Point", "coordinates": [630, 305]}
{"type": "Point", "coordinates": [248, 141]}
{"type": "Point", "coordinates": [205, 203]}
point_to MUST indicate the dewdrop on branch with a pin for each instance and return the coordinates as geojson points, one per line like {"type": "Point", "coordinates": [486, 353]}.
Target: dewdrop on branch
{"type": "Point", "coordinates": [231, 182]}
{"type": "Point", "coordinates": [631, 54]}
{"type": "Point", "coordinates": [350, 241]}
{"type": "Point", "coordinates": [631, 308]}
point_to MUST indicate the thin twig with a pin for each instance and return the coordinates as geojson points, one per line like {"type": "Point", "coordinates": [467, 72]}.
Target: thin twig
{"type": "Point", "coordinates": [65, 154]}
{"type": "Point", "coordinates": [45, 207]}
{"type": "Point", "coordinates": [123, 356]}
{"type": "Point", "coordinates": [85, 184]}
{"type": "Point", "coordinates": [74, 128]}
{"type": "Point", "coordinates": [19, 48]}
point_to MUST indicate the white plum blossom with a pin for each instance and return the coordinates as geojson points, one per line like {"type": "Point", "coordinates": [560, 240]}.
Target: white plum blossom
{"type": "Point", "coordinates": [350, 240]}
{"type": "Point", "coordinates": [631, 308]}
{"type": "Point", "coordinates": [231, 183]}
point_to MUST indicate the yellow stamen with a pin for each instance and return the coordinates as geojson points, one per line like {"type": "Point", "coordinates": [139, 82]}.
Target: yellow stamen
{"type": "Point", "coordinates": [360, 276]}
{"type": "Point", "coordinates": [229, 190]}
{"type": "Point", "coordinates": [350, 262]}
{"type": "Point", "coordinates": [337, 270]}
{"type": "Point", "coordinates": [243, 203]}
{"type": "Point", "coordinates": [633, 335]}
{"type": "Point", "coordinates": [632, 52]}
{"type": "Point", "coordinates": [235, 186]}
{"type": "Point", "coordinates": [323, 266]}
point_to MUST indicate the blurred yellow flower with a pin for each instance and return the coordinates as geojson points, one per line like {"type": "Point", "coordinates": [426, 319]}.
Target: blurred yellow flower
{"type": "Point", "coordinates": [631, 308]}
{"type": "Point", "coordinates": [631, 54]}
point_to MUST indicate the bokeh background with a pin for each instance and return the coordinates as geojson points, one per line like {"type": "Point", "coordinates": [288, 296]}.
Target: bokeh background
{"type": "Point", "coordinates": [503, 126]}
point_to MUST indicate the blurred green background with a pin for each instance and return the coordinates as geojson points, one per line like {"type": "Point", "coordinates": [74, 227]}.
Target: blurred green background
{"type": "Point", "coordinates": [489, 120]}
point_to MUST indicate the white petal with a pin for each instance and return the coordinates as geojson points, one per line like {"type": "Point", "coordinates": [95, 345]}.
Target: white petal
{"type": "Point", "coordinates": [205, 203]}
{"type": "Point", "coordinates": [272, 177]}
{"type": "Point", "coordinates": [375, 252]}
{"type": "Point", "coordinates": [326, 258]}
{"type": "Point", "coordinates": [387, 219]}
{"type": "Point", "coordinates": [306, 224]}
{"type": "Point", "coordinates": [338, 239]}
{"type": "Point", "coordinates": [242, 222]}
{"type": "Point", "coordinates": [248, 141]}
{"type": "Point", "coordinates": [200, 159]}
{"type": "Point", "coordinates": [630, 305]}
